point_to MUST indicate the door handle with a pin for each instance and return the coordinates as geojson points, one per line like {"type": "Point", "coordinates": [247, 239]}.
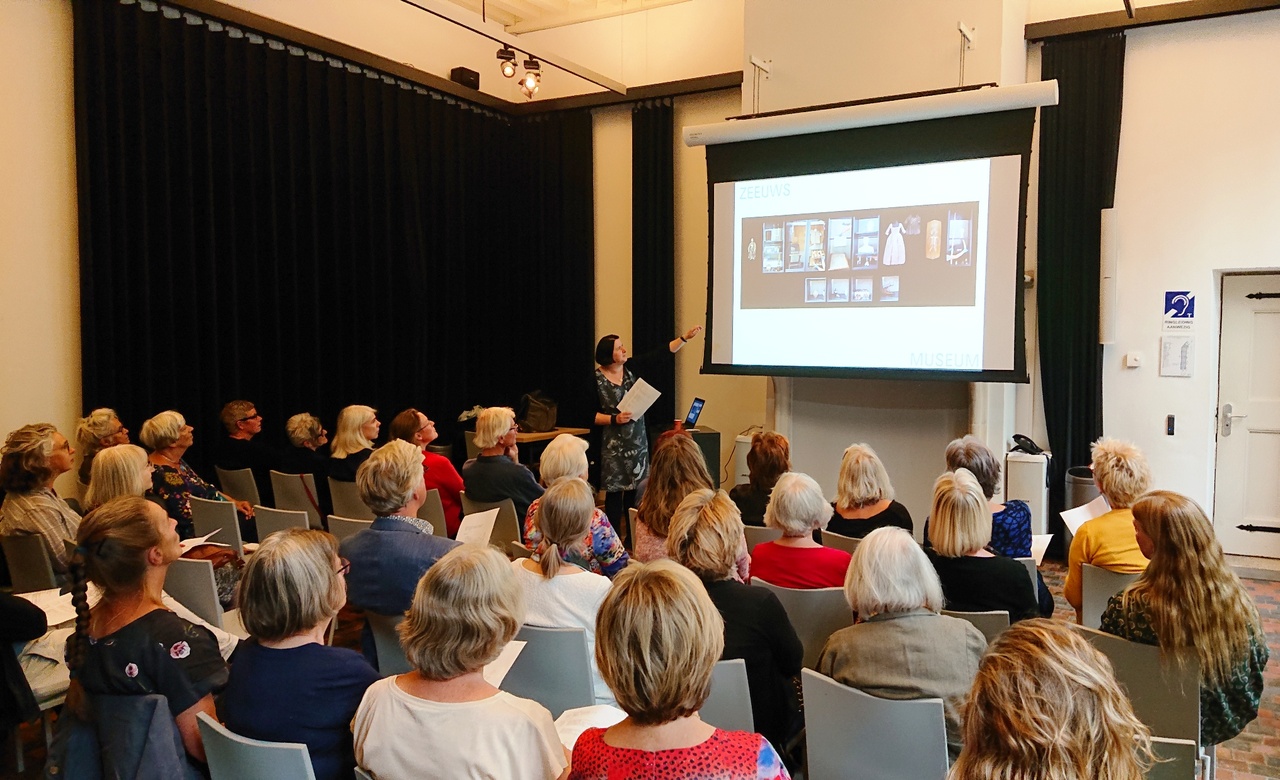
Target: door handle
{"type": "Point", "coordinates": [1228, 414]}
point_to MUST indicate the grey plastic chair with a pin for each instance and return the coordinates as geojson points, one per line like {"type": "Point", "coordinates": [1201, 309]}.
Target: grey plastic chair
{"type": "Point", "coordinates": [271, 520]}
{"type": "Point", "coordinates": [553, 669]}
{"type": "Point", "coordinates": [239, 484]}
{"type": "Point", "coordinates": [191, 583]}
{"type": "Point", "coordinates": [343, 527]}
{"type": "Point", "coordinates": [840, 541]}
{"type": "Point", "coordinates": [854, 734]}
{"type": "Point", "coordinates": [386, 641]}
{"type": "Point", "coordinates": [29, 564]}
{"type": "Point", "coordinates": [1030, 563]}
{"type": "Point", "coordinates": [517, 550]}
{"type": "Point", "coordinates": [729, 705]}
{"type": "Point", "coordinates": [297, 492]}
{"type": "Point", "coordinates": [432, 511]}
{"type": "Point", "coordinates": [756, 535]}
{"type": "Point", "coordinates": [506, 528]}
{"type": "Point", "coordinates": [1097, 586]}
{"type": "Point", "coordinates": [346, 500]}
{"type": "Point", "coordinates": [815, 615]}
{"type": "Point", "coordinates": [1179, 759]}
{"type": "Point", "coordinates": [362, 774]}
{"type": "Point", "coordinates": [233, 757]}
{"type": "Point", "coordinates": [208, 516]}
{"type": "Point", "coordinates": [992, 624]}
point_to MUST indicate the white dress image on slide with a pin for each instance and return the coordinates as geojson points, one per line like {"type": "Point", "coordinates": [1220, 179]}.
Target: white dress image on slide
{"type": "Point", "coordinates": [895, 250]}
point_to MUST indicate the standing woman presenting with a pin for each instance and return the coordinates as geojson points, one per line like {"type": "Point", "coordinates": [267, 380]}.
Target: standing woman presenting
{"type": "Point", "coordinates": [624, 459]}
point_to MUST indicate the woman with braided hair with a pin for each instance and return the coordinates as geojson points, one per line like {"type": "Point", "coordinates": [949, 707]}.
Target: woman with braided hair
{"type": "Point", "coordinates": [129, 643]}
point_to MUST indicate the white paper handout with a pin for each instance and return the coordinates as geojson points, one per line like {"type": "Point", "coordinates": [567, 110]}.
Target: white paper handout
{"type": "Point", "coordinates": [638, 399]}
{"type": "Point", "coordinates": [187, 544]}
{"type": "Point", "coordinates": [1074, 518]}
{"type": "Point", "coordinates": [56, 605]}
{"type": "Point", "coordinates": [1040, 543]}
{"type": "Point", "coordinates": [495, 672]}
{"type": "Point", "coordinates": [475, 529]}
{"type": "Point", "coordinates": [571, 723]}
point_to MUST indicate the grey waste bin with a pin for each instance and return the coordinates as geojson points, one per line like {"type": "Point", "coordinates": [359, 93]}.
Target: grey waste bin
{"type": "Point", "coordinates": [1081, 488]}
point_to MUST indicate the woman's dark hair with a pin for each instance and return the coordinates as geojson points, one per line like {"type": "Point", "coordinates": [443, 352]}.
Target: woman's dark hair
{"type": "Point", "coordinates": [769, 458]}
{"type": "Point", "coordinates": [604, 349]}
{"type": "Point", "coordinates": [405, 425]}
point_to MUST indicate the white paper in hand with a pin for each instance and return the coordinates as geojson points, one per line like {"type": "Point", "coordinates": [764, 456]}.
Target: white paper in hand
{"type": "Point", "coordinates": [571, 723]}
{"type": "Point", "coordinates": [56, 605]}
{"type": "Point", "coordinates": [1040, 543]}
{"type": "Point", "coordinates": [475, 529]}
{"type": "Point", "coordinates": [638, 399]}
{"type": "Point", "coordinates": [187, 544]}
{"type": "Point", "coordinates": [1074, 518]}
{"type": "Point", "coordinates": [495, 672]}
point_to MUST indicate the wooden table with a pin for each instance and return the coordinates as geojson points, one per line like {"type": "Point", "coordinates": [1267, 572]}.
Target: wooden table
{"type": "Point", "coordinates": [529, 438]}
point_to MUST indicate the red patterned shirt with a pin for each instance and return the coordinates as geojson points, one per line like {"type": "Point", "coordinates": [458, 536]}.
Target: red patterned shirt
{"type": "Point", "coordinates": [725, 755]}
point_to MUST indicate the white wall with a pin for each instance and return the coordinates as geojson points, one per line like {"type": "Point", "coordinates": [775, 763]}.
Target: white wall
{"type": "Point", "coordinates": [39, 283]}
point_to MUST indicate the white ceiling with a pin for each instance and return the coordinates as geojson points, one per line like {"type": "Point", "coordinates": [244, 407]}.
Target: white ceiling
{"type": "Point", "coordinates": [522, 16]}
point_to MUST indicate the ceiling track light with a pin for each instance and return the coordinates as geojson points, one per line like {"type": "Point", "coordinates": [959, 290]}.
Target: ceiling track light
{"type": "Point", "coordinates": [532, 78]}
{"type": "Point", "coordinates": [507, 62]}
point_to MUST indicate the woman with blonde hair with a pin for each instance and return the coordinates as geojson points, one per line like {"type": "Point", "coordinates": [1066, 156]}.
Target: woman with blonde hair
{"type": "Point", "coordinates": [798, 509]}
{"type": "Point", "coordinates": [1190, 604]}
{"type": "Point", "coordinates": [443, 717]}
{"type": "Point", "coordinates": [706, 533]}
{"type": "Point", "coordinates": [558, 593]}
{"type": "Point", "coordinates": [601, 551]}
{"type": "Point", "coordinates": [291, 590]}
{"type": "Point", "coordinates": [974, 579]}
{"type": "Point", "coordinates": [99, 430]}
{"type": "Point", "coordinates": [767, 460]}
{"type": "Point", "coordinates": [122, 470]}
{"type": "Point", "coordinates": [661, 608]}
{"type": "Point", "coordinates": [1046, 706]}
{"type": "Point", "coordinates": [864, 496]}
{"type": "Point", "coordinates": [33, 457]}
{"type": "Point", "coordinates": [353, 443]}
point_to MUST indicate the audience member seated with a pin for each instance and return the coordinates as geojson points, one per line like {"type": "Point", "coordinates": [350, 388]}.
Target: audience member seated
{"type": "Point", "coordinates": [388, 558]}
{"type": "Point", "coordinates": [443, 719]}
{"type": "Point", "coordinates": [601, 551]}
{"type": "Point", "coordinates": [32, 458]}
{"type": "Point", "coordinates": [974, 579]}
{"type": "Point", "coordinates": [901, 648]}
{"type": "Point", "coordinates": [706, 533]}
{"type": "Point", "coordinates": [797, 509]}
{"type": "Point", "coordinates": [1190, 604]}
{"type": "Point", "coordinates": [353, 443]}
{"type": "Point", "coordinates": [768, 459]}
{"type": "Point", "coordinates": [118, 471]}
{"type": "Point", "coordinates": [661, 607]}
{"type": "Point", "coordinates": [286, 685]}
{"type": "Point", "coordinates": [1045, 704]}
{"type": "Point", "coordinates": [560, 594]}
{"type": "Point", "coordinates": [1108, 541]}
{"type": "Point", "coordinates": [175, 483]}
{"type": "Point", "coordinates": [864, 496]}
{"type": "Point", "coordinates": [677, 470]}
{"type": "Point", "coordinates": [244, 448]}
{"type": "Point", "coordinates": [309, 454]}
{"type": "Point", "coordinates": [1010, 521]}
{"type": "Point", "coordinates": [129, 644]}
{"type": "Point", "coordinates": [20, 622]}
{"type": "Point", "coordinates": [419, 430]}
{"type": "Point", "coordinates": [96, 432]}
{"type": "Point", "coordinates": [496, 474]}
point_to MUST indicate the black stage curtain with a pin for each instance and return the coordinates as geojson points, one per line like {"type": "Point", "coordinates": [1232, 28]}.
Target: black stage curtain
{"type": "Point", "coordinates": [1079, 143]}
{"type": "Point", "coordinates": [258, 221]}
{"type": "Point", "coordinates": [653, 248]}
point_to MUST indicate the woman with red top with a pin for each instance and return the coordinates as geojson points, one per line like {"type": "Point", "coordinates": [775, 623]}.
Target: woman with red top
{"type": "Point", "coordinates": [416, 428]}
{"type": "Point", "coordinates": [663, 609]}
{"type": "Point", "coordinates": [796, 560]}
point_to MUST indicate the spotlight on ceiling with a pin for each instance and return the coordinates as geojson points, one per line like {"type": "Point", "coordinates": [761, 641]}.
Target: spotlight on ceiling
{"type": "Point", "coordinates": [507, 62]}
{"type": "Point", "coordinates": [532, 78]}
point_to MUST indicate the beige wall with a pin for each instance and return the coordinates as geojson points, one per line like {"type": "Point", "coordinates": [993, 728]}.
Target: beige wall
{"type": "Point", "coordinates": [39, 283]}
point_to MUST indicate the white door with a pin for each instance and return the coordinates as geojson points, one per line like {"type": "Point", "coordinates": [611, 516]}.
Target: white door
{"type": "Point", "coordinates": [1247, 481]}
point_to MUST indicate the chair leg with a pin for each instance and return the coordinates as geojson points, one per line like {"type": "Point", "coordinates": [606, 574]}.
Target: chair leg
{"type": "Point", "coordinates": [47, 718]}
{"type": "Point", "coordinates": [18, 748]}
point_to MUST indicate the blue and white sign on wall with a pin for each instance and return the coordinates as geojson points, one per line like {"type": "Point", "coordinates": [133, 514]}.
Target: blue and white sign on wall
{"type": "Point", "coordinates": [1179, 305]}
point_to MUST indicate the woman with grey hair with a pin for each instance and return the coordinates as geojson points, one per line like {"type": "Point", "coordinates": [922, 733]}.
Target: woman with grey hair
{"type": "Point", "coordinates": [32, 458]}
{"type": "Point", "coordinates": [309, 454]}
{"type": "Point", "coordinates": [174, 482]}
{"type": "Point", "coordinates": [901, 647]}
{"type": "Point", "coordinates": [798, 508]}
{"type": "Point", "coordinates": [97, 431]}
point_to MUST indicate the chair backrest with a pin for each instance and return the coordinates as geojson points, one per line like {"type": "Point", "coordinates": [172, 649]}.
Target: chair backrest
{"type": "Point", "coordinates": [506, 528]}
{"type": "Point", "coordinates": [386, 640]}
{"type": "Point", "coordinates": [756, 535]}
{"type": "Point", "coordinates": [362, 774]}
{"type": "Point", "coordinates": [239, 484]}
{"type": "Point", "coordinates": [729, 705]}
{"type": "Point", "coordinates": [815, 615]}
{"type": "Point", "coordinates": [1030, 563]}
{"type": "Point", "coordinates": [271, 520]}
{"type": "Point", "coordinates": [1166, 697]}
{"type": "Point", "coordinates": [473, 451]}
{"type": "Point", "coordinates": [208, 516]}
{"type": "Point", "coordinates": [191, 583]}
{"type": "Point", "coordinates": [992, 624]}
{"type": "Point", "coordinates": [882, 738]}
{"type": "Point", "coordinates": [29, 565]}
{"type": "Point", "coordinates": [432, 510]}
{"type": "Point", "coordinates": [346, 500]}
{"type": "Point", "coordinates": [839, 541]}
{"type": "Point", "coordinates": [342, 527]}
{"type": "Point", "coordinates": [517, 550]}
{"type": "Point", "coordinates": [553, 669]}
{"type": "Point", "coordinates": [1097, 586]}
{"type": "Point", "coordinates": [1178, 759]}
{"type": "Point", "coordinates": [298, 493]}
{"type": "Point", "coordinates": [233, 757]}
